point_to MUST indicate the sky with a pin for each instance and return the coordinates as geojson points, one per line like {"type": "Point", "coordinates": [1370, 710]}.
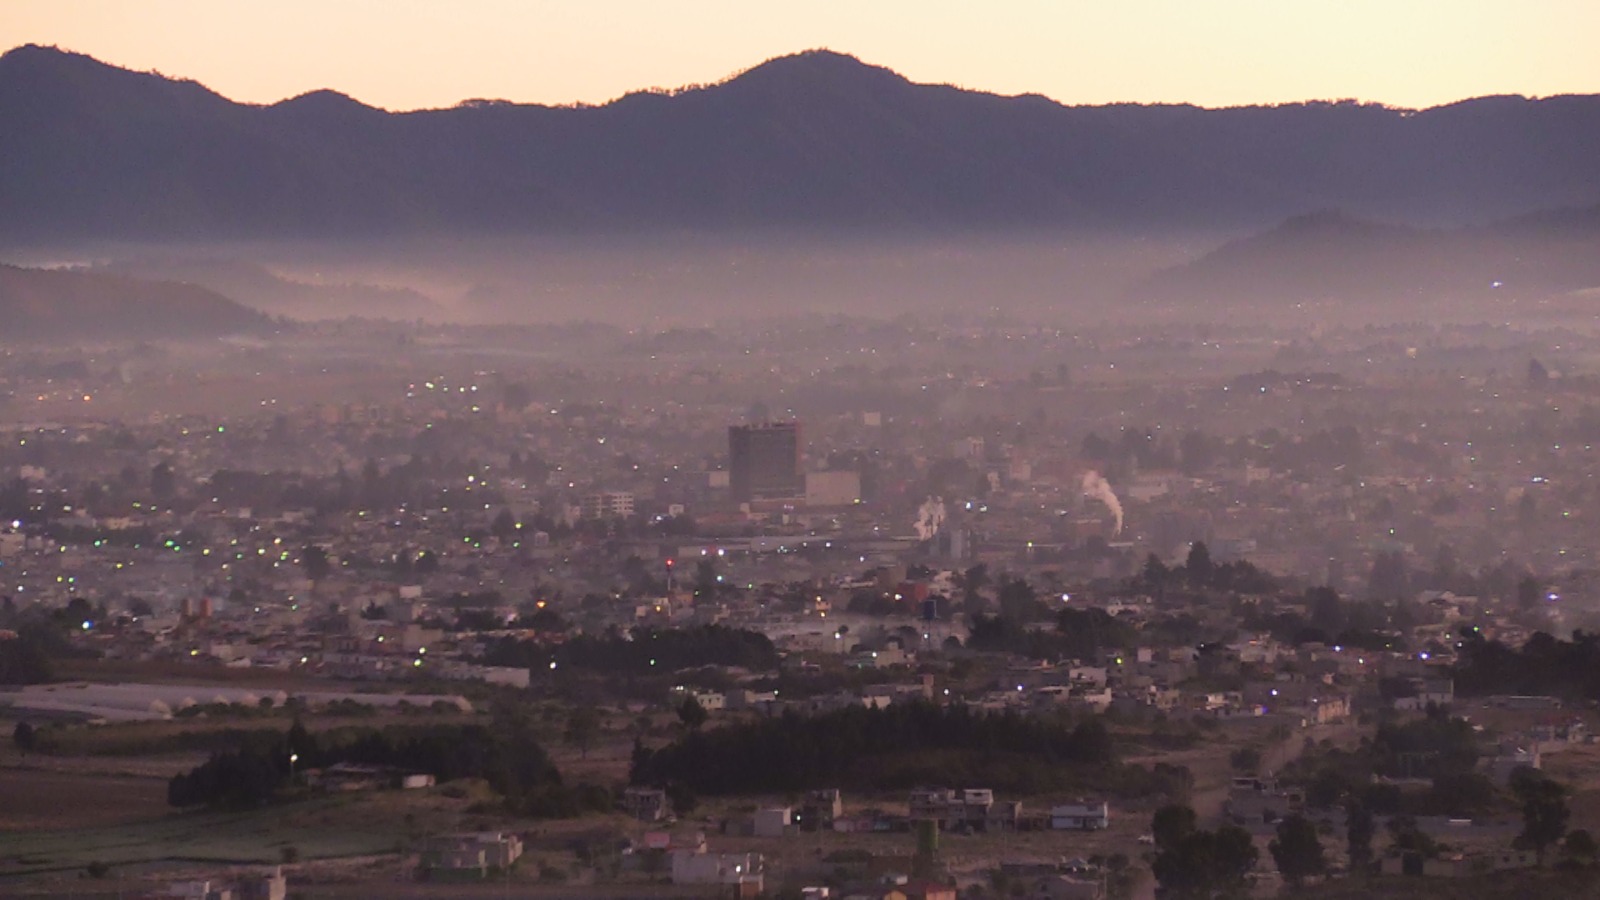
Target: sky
{"type": "Point", "coordinates": [408, 54]}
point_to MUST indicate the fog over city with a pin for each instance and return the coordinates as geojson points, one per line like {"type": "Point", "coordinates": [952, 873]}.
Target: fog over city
{"type": "Point", "coordinates": [811, 483]}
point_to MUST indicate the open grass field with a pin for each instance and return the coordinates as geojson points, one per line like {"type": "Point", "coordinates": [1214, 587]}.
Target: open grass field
{"type": "Point", "coordinates": [322, 827]}
{"type": "Point", "coordinates": [36, 800]}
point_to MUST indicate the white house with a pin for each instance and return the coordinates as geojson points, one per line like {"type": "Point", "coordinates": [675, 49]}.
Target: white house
{"type": "Point", "coordinates": [1081, 816]}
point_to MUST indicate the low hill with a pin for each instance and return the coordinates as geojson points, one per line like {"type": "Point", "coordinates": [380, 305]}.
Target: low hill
{"type": "Point", "coordinates": [51, 304]}
{"type": "Point", "coordinates": [261, 289]}
{"type": "Point", "coordinates": [1334, 257]}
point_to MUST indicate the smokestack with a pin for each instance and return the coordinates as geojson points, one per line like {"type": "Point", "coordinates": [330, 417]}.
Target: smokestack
{"type": "Point", "coordinates": [1097, 487]}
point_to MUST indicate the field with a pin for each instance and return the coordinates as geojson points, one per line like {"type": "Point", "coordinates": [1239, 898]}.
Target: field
{"type": "Point", "coordinates": [102, 801]}
{"type": "Point", "coordinates": [50, 800]}
{"type": "Point", "coordinates": [322, 827]}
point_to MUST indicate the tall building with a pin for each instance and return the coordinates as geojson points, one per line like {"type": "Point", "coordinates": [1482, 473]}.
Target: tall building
{"type": "Point", "coordinates": [764, 461]}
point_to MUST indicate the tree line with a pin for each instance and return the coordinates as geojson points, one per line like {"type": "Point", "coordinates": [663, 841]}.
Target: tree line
{"type": "Point", "coordinates": [1078, 634]}
{"type": "Point", "coordinates": [1543, 665]}
{"type": "Point", "coordinates": [902, 746]}
{"type": "Point", "coordinates": [505, 753]}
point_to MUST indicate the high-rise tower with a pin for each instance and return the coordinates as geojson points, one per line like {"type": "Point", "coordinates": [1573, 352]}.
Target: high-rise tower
{"type": "Point", "coordinates": [764, 461]}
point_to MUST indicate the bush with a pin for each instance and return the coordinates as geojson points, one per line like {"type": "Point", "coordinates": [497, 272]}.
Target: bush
{"type": "Point", "coordinates": [1245, 759]}
{"type": "Point", "coordinates": [97, 870]}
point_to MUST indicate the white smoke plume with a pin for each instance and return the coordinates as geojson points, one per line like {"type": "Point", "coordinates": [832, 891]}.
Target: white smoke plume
{"type": "Point", "coordinates": [930, 517]}
{"type": "Point", "coordinates": [1100, 489]}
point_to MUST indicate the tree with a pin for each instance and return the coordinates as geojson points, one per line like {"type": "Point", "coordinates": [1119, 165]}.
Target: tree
{"type": "Point", "coordinates": [1171, 825]}
{"type": "Point", "coordinates": [583, 726]}
{"type": "Point", "coordinates": [682, 797]}
{"type": "Point", "coordinates": [1235, 855]}
{"type": "Point", "coordinates": [1544, 810]}
{"type": "Point", "coordinates": [1200, 864]}
{"type": "Point", "coordinates": [1528, 592]}
{"type": "Point", "coordinates": [1245, 759]}
{"type": "Point", "coordinates": [162, 482]}
{"type": "Point", "coordinates": [1198, 567]}
{"type": "Point", "coordinates": [1389, 577]}
{"type": "Point", "coordinates": [25, 660]}
{"type": "Point", "coordinates": [314, 560]}
{"type": "Point", "coordinates": [705, 578]}
{"type": "Point", "coordinates": [692, 713]}
{"type": "Point", "coordinates": [1154, 574]}
{"type": "Point", "coordinates": [299, 740]}
{"type": "Point", "coordinates": [1538, 375]}
{"type": "Point", "coordinates": [504, 526]}
{"type": "Point", "coordinates": [1406, 837]}
{"type": "Point", "coordinates": [1358, 835]}
{"type": "Point", "coordinates": [25, 737]}
{"type": "Point", "coordinates": [1019, 602]}
{"type": "Point", "coordinates": [1580, 846]}
{"type": "Point", "coordinates": [1297, 851]}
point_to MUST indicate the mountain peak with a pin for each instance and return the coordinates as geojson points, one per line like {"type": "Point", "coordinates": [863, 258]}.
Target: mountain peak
{"type": "Point", "coordinates": [815, 68]}
{"type": "Point", "coordinates": [323, 102]}
{"type": "Point", "coordinates": [37, 76]}
{"type": "Point", "coordinates": [34, 53]}
{"type": "Point", "coordinates": [40, 59]}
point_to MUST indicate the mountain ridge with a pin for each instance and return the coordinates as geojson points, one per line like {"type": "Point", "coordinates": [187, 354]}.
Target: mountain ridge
{"type": "Point", "coordinates": [818, 140]}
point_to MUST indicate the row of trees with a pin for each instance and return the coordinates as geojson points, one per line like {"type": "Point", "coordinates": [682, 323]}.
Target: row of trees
{"type": "Point", "coordinates": [233, 779]}
{"type": "Point", "coordinates": [1200, 572]}
{"type": "Point", "coordinates": [505, 753]}
{"type": "Point", "coordinates": [1079, 634]}
{"type": "Point", "coordinates": [25, 659]}
{"type": "Point", "coordinates": [1193, 863]}
{"type": "Point", "coordinates": [902, 746]}
{"type": "Point", "coordinates": [1331, 619]}
{"type": "Point", "coordinates": [1542, 665]}
{"type": "Point", "coordinates": [41, 638]}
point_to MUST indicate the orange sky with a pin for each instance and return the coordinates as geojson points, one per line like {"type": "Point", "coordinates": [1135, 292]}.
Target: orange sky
{"type": "Point", "coordinates": [407, 54]}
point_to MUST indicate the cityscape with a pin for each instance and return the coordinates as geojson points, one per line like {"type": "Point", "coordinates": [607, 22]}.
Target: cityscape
{"type": "Point", "coordinates": [642, 530]}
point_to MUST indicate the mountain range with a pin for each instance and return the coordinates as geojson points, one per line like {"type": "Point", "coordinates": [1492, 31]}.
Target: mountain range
{"type": "Point", "coordinates": [817, 141]}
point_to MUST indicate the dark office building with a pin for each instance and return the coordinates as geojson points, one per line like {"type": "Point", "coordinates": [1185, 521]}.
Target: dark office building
{"type": "Point", "coordinates": [764, 461]}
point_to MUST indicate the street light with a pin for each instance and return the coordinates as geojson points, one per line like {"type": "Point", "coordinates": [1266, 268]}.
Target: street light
{"type": "Point", "coordinates": [293, 758]}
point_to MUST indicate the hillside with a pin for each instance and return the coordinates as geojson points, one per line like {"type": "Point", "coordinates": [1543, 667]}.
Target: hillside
{"type": "Point", "coordinates": [68, 305]}
{"type": "Point", "coordinates": [261, 289]}
{"type": "Point", "coordinates": [1333, 256]}
{"type": "Point", "coordinates": [816, 141]}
